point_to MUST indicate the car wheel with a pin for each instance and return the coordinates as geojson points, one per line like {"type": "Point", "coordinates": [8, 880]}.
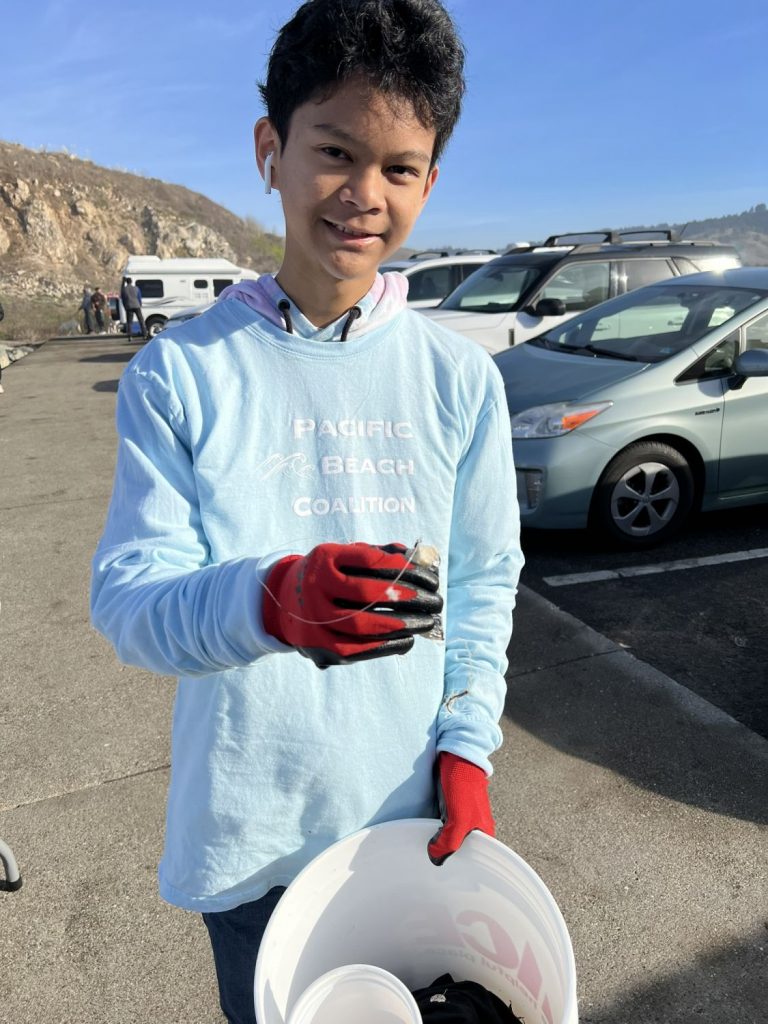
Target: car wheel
{"type": "Point", "coordinates": [155, 324]}
{"type": "Point", "coordinates": [645, 495]}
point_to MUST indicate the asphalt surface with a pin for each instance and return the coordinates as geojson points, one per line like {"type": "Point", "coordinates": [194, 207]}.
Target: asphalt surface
{"type": "Point", "coordinates": [703, 624]}
{"type": "Point", "coordinates": [642, 806]}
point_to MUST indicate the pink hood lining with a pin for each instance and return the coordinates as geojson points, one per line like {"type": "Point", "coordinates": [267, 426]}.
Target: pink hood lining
{"type": "Point", "coordinates": [387, 297]}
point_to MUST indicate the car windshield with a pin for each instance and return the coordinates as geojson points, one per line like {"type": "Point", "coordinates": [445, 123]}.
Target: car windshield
{"type": "Point", "coordinates": [651, 324]}
{"type": "Point", "coordinates": [494, 288]}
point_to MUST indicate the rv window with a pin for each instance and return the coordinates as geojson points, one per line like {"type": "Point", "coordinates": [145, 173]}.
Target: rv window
{"type": "Point", "coordinates": [219, 285]}
{"type": "Point", "coordinates": [150, 289]}
{"type": "Point", "coordinates": [200, 283]}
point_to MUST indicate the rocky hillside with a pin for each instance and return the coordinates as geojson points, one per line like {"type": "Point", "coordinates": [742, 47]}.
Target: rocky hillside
{"type": "Point", "coordinates": [64, 221]}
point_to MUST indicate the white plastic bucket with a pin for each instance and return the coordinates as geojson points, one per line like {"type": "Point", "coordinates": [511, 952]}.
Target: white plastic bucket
{"type": "Point", "coordinates": [357, 994]}
{"type": "Point", "coordinates": [375, 898]}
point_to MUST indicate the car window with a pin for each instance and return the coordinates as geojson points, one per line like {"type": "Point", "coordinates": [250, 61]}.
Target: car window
{"type": "Point", "coordinates": [465, 269]}
{"type": "Point", "coordinates": [720, 314]}
{"type": "Point", "coordinates": [494, 288]}
{"type": "Point", "coordinates": [429, 283]}
{"type": "Point", "coordinates": [219, 284]}
{"type": "Point", "coordinates": [150, 289]}
{"type": "Point", "coordinates": [720, 358]}
{"type": "Point", "coordinates": [756, 333]}
{"type": "Point", "coordinates": [639, 273]}
{"type": "Point", "coordinates": [652, 324]}
{"type": "Point", "coordinates": [685, 266]}
{"type": "Point", "coordinates": [716, 363]}
{"type": "Point", "coordinates": [579, 285]}
{"type": "Point", "coordinates": [650, 319]}
{"type": "Point", "coordinates": [715, 262]}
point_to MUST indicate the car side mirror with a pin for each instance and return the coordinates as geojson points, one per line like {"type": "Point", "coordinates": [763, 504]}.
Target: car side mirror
{"type": "Point", "coordinates": [752, 363]}
{"type": "Point", "coordinates": [549, 307]}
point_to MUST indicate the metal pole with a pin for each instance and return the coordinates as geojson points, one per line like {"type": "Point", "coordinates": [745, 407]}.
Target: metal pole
{"type": "Point", "coordinates": [13, 878]}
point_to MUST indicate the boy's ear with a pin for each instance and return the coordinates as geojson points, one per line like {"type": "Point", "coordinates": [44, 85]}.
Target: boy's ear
{"type": "Point", "coordinates": [266, 141]}
{"type": "Point", "coordinates": [429, 183]}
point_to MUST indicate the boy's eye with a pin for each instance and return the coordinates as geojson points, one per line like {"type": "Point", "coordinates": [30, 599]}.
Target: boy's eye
{"type": "Point", "coordinates": [402, 170]}
{"type": "Point", "coordinates": [335, 152]}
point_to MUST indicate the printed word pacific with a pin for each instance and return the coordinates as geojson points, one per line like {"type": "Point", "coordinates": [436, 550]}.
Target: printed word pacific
{"type": "Point", "coordinates": [403, 430]}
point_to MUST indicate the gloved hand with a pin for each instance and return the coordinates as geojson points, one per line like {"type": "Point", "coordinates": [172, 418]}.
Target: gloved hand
{"type": "Point", "coordinates": [312, 602]}
{"type": "Point", "coordinates": [463, 797]}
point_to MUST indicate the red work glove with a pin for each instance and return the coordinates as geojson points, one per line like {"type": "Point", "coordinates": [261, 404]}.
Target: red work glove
{"type": "Point", "coordinates": [312, 602]}
{"type": "Point", "coordinates": [463, 796]}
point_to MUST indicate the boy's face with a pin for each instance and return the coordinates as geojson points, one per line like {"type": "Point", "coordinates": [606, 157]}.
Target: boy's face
{"type": "Point", "coordinates": [353, 176]}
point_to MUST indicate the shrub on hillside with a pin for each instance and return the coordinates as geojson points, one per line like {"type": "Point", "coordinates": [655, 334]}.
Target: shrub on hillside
{"type": "Point", "coordinates": [35, 319]}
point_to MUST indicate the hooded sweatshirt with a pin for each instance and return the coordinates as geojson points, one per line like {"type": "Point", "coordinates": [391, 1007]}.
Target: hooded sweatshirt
{"type": "Point", "coordinates": [247, 434]}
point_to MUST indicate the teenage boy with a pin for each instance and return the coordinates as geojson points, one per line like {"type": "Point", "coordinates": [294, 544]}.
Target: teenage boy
{"type": "Point", "coordinates": [279, 457]}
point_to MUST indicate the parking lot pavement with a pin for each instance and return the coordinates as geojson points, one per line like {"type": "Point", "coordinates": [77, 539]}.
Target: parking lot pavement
{"type": "Point", "coordinates": [693, 607]}
{"type": "Point", "coordinates": [644, 809]}
{"type": "Point", "coordinates": [641, 806]}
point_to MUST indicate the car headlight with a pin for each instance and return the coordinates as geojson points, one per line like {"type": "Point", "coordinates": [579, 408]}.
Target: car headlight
{"type": "Point", "coordinates": [555, 420]}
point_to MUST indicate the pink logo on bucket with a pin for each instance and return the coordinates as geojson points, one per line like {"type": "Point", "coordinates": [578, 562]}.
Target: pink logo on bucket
{"type": "Point", "coordinates": [432, 924]}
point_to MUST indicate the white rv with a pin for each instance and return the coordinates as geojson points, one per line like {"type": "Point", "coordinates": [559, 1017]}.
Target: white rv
{"type": "Point", "coordinates": [168, 286]}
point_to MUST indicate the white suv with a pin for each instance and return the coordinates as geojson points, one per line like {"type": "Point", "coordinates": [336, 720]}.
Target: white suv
{"type": "Point", "coordinates": [433, 275]}
{"type": "Point", "coordinates": [533, 287]}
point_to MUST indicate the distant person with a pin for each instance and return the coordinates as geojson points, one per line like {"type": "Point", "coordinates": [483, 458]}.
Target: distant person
{"type": "Point", "coordinates": [99, 305]}
{"type": "Point", "coordinates": [113, 311]}
{"type": "Point", "coordinates": [86, 304]}
{"type": "Point", "coordinates": [130, 296]}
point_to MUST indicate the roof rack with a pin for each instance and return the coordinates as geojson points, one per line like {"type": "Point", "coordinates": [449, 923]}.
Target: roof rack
{"type": "Point", "coordinates": [476, 252]}
{"type": "Point", "coordinates": [428, 253]}
{"type": "Point", "coordinates": [667, 234]}
{"type": "Point", "coordinates": [613, 236]}
{"type": "Point", "coordinates": [610, 235]}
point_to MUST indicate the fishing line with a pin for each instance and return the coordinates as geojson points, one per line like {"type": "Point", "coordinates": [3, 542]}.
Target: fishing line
{"type": "Point", "coordinates": [412, 555]}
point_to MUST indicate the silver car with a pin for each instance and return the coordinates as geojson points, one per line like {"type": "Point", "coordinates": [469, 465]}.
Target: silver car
{"type": "Point", "coordinates": [632, 415]}
{"type": "Point", "coordinates": [433, 275]}
{"type": "Point", "coordinates": [189, 313]}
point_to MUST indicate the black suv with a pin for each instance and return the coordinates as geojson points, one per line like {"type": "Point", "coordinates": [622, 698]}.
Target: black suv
{"type": "Point", "coordinates": [533, 287]}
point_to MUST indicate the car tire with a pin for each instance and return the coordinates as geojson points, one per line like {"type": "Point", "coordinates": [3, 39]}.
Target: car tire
{"type": "Point", "coordinates": [645, 495]}
{"type": "Point", "coordinates": [155, 324]}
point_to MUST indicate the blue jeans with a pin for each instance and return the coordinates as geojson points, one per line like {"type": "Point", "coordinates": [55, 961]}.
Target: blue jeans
{"type": "Point", "coordinates": [235, 937]}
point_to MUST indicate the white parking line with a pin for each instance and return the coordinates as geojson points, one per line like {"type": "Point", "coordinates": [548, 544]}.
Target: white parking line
{"type": "Point", "coordinates": [648, 570]}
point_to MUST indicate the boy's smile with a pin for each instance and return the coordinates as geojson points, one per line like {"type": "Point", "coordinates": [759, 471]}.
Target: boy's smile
{"type": "Point", "coordinates": [354, 175]}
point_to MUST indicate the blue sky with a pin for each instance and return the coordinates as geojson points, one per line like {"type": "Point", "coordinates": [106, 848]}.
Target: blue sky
{"type": "Point", "coordinates": [578, 115]}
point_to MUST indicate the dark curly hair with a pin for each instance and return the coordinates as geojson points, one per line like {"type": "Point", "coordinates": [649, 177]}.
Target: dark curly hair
{"type": "Point", "coordinates": [406, 49]}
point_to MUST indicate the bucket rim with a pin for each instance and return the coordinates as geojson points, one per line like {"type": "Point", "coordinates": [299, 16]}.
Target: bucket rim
{"type": "Point", "coordinates": [345, 972]}
{"type": "Point", "coordinates": [426, 828]}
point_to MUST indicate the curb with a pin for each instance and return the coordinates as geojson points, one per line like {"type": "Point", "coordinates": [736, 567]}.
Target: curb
{"type": "Point", "coordinates": [650, 679]}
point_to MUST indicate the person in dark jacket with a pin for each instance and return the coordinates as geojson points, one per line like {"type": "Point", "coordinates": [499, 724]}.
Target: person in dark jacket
{"type": "Point", "coordinates": [86, 304]}
{"type": "Point", "coordinates": [98, 303]}
{"type": "Point", "coordinates": [131, 300]}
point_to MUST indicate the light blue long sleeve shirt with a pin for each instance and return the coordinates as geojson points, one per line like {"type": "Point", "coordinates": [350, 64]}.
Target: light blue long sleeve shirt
{"type": "Point", "coordinates": [240, 443]}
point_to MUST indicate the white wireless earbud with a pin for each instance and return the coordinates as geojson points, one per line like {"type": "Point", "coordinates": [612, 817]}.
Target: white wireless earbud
{"type": "Point", "coordinates": [268, 172]}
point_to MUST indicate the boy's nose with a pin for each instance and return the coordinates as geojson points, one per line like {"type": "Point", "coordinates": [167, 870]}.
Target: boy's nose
{"type": "Point", "coordinates": [364, 189]}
